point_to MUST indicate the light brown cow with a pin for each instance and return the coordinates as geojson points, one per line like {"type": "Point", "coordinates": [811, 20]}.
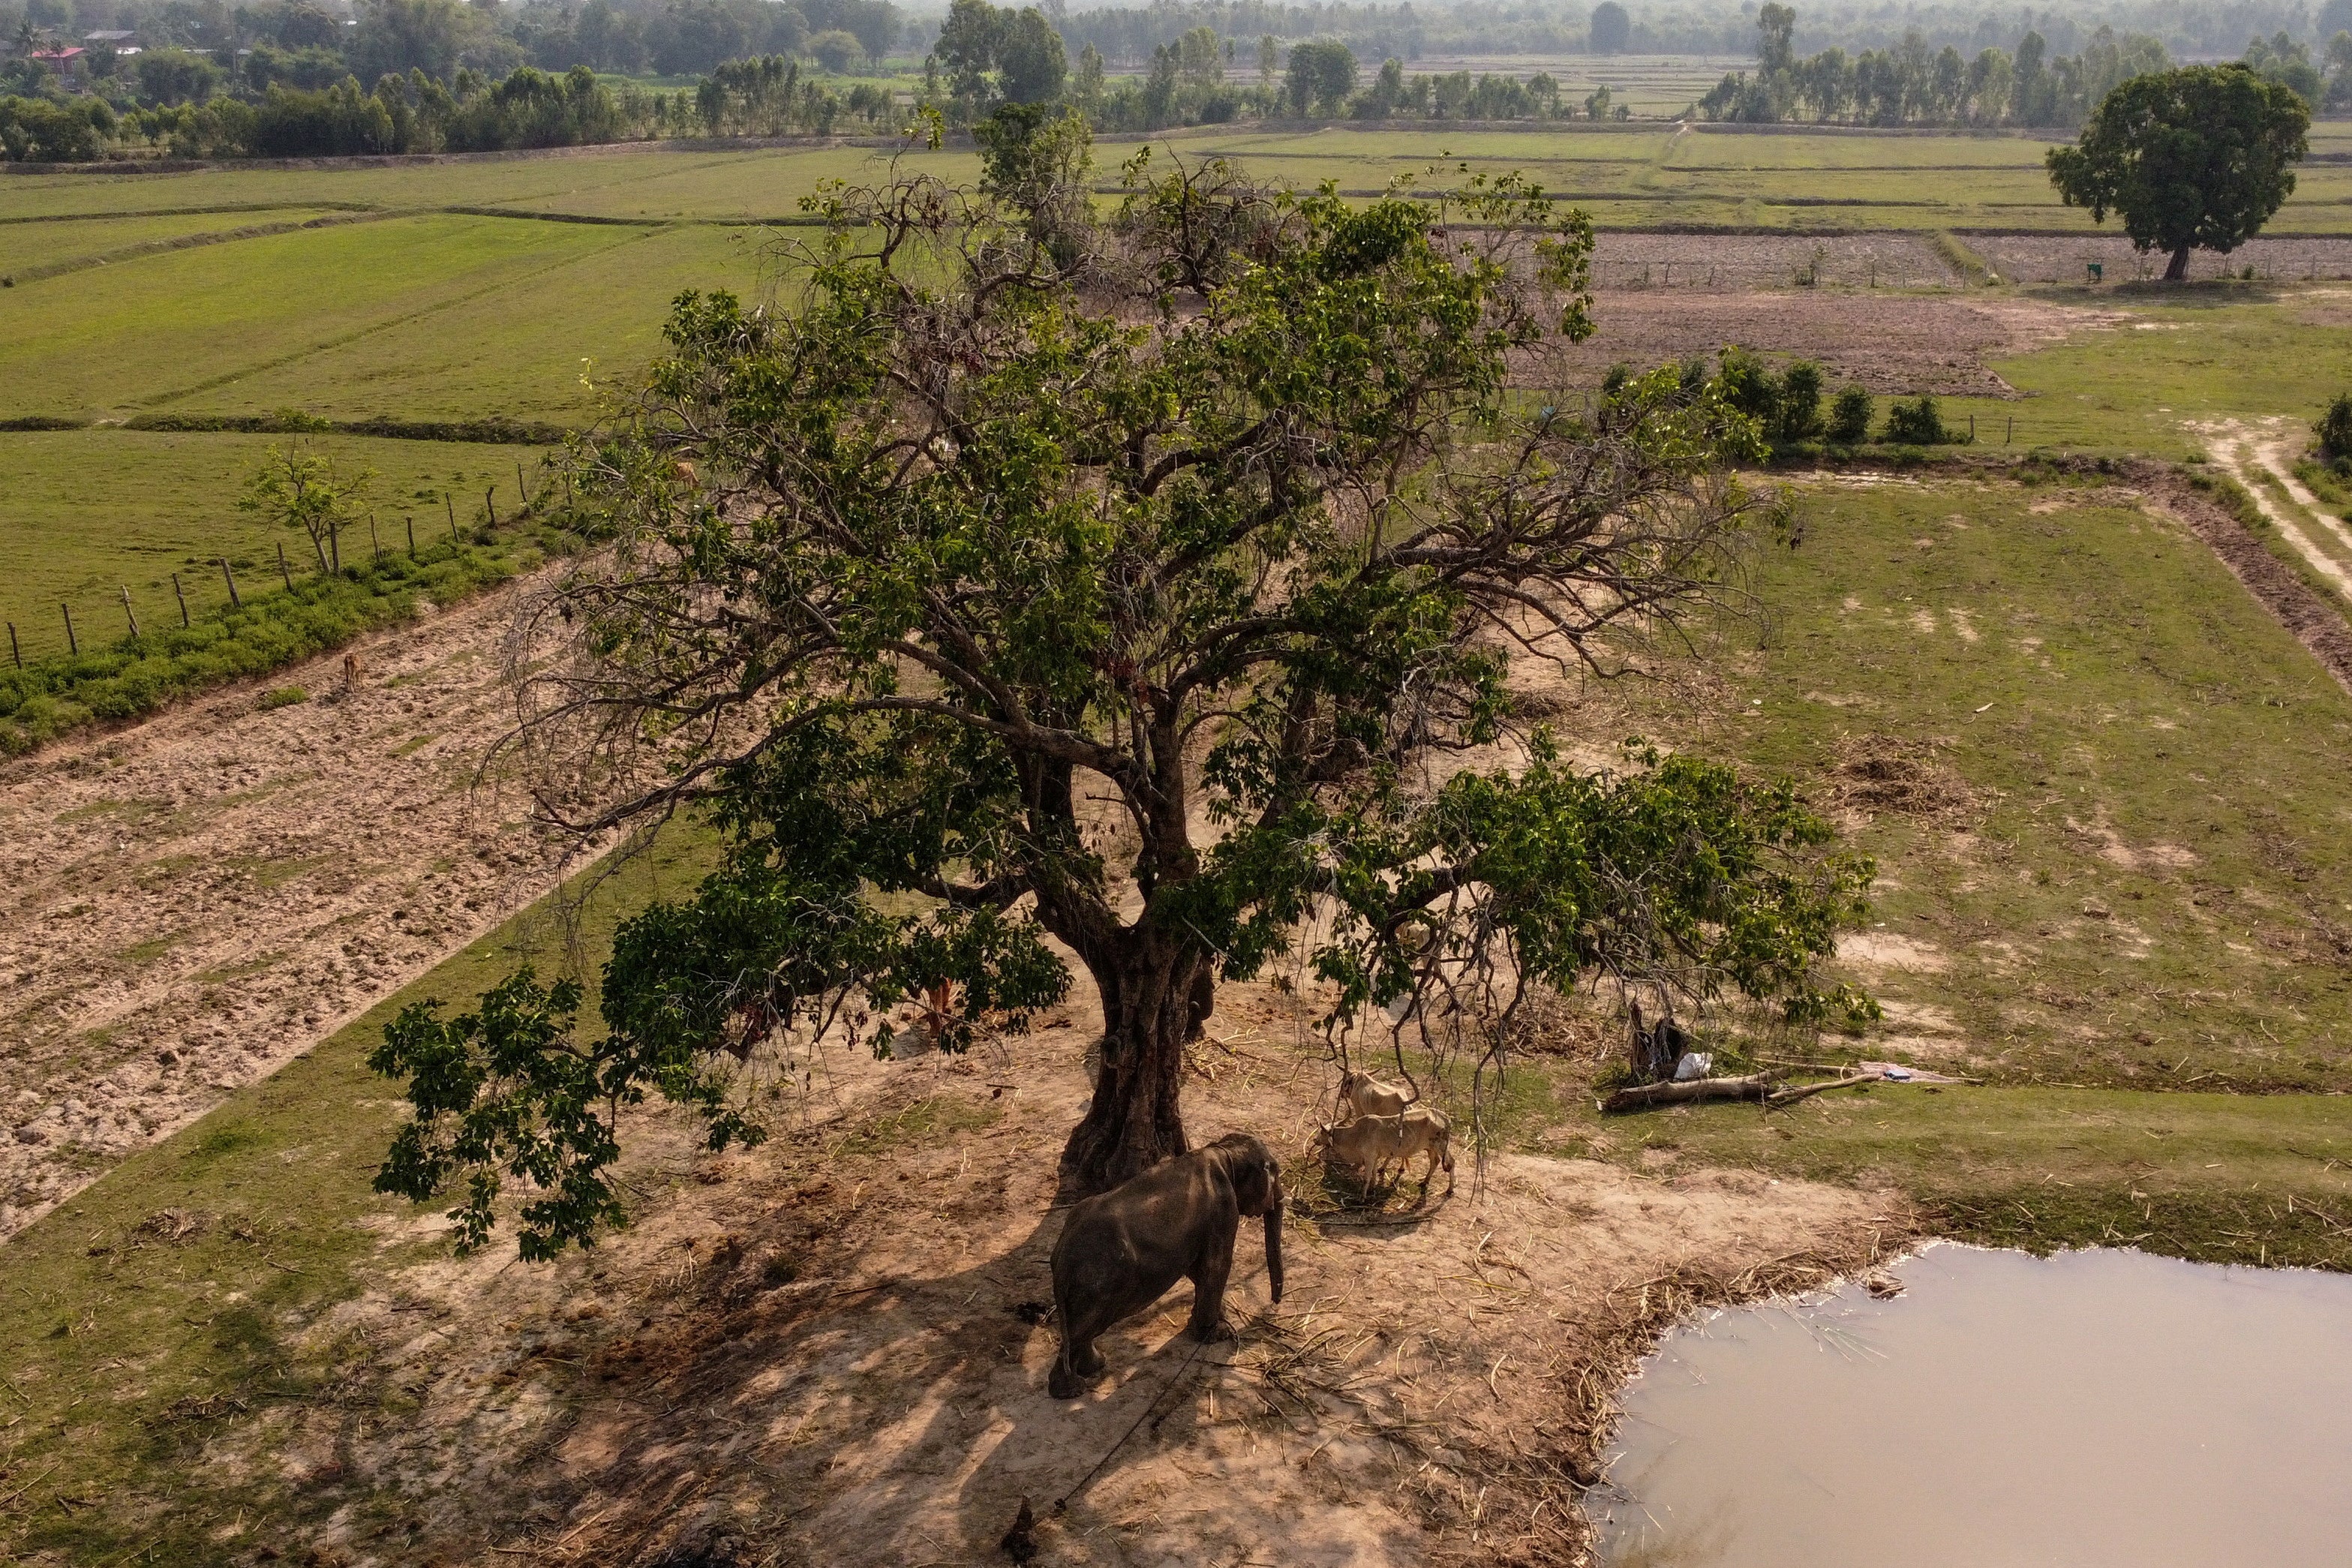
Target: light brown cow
{"type": "Point", "coordinates": [1365, 1095]}
{"type": "Point", "coordinates": [1370, 1145]}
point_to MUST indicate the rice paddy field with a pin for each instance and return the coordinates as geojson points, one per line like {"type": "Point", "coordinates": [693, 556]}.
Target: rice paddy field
{"type": "Point", "coordinates": [519, 287]}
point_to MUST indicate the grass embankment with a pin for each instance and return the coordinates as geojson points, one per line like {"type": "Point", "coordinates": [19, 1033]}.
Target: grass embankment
{"type": "Point", "coordinates": [166, 1299]}
{"type": "Point", "coordinates": [275, 618]}
{"type": "Point", "coordinates": [90, 512]}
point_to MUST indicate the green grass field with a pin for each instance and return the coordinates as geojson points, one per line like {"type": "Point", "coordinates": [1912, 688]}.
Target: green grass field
{"type": "Point", "coordinates": [2134, 869]}
{"type": "Point", "coordinates": [89, 512]}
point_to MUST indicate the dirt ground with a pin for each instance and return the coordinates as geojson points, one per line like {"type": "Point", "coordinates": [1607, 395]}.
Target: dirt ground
{"type": "Point", "coordinates": [196, 899]}
{"type": "Point", "coordinates": [1892, 343]}
{"type": "Point", "coordinates": [829, 1350]}
{"type": "Point", "coordinates": [1736, 262]}
{"type": "Point", "coordinates": [2064, 259]}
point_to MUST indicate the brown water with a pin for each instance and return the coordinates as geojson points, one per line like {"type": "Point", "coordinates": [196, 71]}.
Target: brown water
{"type": "Point", "coordinates": [2098, 1409]}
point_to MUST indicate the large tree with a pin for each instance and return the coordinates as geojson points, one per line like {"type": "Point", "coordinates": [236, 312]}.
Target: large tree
{"type": "Point", "coordinates": [2197, 157]}
{"type": "Point", "coordinates": [1147, 589]}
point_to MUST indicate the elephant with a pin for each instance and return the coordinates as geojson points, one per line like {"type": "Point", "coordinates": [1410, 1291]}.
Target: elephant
{"type": "Point", "coordinates": [1122, 1249]}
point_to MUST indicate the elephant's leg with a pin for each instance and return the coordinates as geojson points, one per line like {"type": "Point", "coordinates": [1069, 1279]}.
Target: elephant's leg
{"type": "Point", "coordinates": [1080, 1360]}
{"type": "Point", "coordinates": [1216, 1267]}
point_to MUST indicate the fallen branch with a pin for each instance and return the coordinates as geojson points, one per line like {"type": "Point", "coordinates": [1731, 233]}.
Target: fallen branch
{"type": "Point", "coordinates": [1637, 1096]}
{"type": "Point", "coordinates": [1790, 1095]}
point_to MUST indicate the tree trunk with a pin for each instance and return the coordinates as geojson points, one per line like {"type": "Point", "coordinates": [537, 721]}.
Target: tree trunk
{"type": "Point", "coordinates": [1149, 990]}
{"type": "Point", "coordinates": [2179, 271]}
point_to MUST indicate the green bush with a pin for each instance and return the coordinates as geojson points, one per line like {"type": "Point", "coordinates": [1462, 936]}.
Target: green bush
{"type": "Point", "coordinates": [1916, 422]}
{"type": "Point", "coordinates": [283, 697]}
{"type": "Point", "coordinates": [2334, 430]}
{"type": "Point", "coordinates": [1800, 413]}
{"type": "Point", "coordinates": [1850, 416]}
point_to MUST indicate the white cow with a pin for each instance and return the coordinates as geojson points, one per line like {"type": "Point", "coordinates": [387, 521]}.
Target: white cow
{"type": "Point", "coordinates": [1370, 1145]}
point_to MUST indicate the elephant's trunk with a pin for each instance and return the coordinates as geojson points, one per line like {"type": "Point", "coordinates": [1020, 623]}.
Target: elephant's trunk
{"type": "Point", "coordinates": [1274, 1242]}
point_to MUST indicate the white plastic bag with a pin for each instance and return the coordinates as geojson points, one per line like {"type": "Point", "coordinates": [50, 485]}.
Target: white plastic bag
{"type": "Point", "coordinates": [1693, 1064]}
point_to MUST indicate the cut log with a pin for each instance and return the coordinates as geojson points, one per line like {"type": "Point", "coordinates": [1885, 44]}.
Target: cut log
{"type": "Point", "coordinates": [1637, 1096]}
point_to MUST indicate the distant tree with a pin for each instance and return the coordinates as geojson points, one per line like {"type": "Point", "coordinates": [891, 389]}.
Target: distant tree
{"type": "Point", "coordinates": [296, 487]}
{"type": "Point", "coordinates": [1610, 28]}
{"type": "Point", "coordinates": [177, 76]}
{"type": "Point", "coordinates": [1776, 32]}
{"type": "Point", "coordinates": [1089, 90]}
{"type": "Point", "coordinates": [982, 596]}
{"type": "Point", "coordinates": [2193, 158]}
{"type": "Point", "coordinates": [1596, 102]}
{"type": "Point", "coordinates": [396, 37]}
{"type": "Point", "coordinates": [1030, 64]}
{"type": "Point", "coordinates": [2285, 60]}
{"type": "Point", "coordinates": [967, 46]}
{"type": "Point", "coordinates": [1322, 74]}
{"type": "Point", "coordinates": [836, 49]}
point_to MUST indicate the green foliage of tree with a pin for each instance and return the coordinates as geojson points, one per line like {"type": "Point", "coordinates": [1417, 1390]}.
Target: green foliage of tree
{"type": "Point", "coordinates": [836, 49]}
{"type": "Point", "coordinates": [42, 132]}
{"type": "Point", "coordinates": [2287, 61]}
{"type": "Point", "coordinates": [1030, 65]}
{"type": "Point", "coordinates": [1145, 597]}
{"type": "Point", "coordinates": [1610, 28]}
{"type": "Point", "coordinates": [2198, 157]}
{"type": "Point", "coordinates": [1321, 75]}
{"type": "Point", "coordinates": [177, 76]}
{"type": "Point", "coordinates": [296, 487]}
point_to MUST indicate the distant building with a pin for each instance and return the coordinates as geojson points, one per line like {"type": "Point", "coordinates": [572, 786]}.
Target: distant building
{"type": "Point", "coordinates": [65, 63]}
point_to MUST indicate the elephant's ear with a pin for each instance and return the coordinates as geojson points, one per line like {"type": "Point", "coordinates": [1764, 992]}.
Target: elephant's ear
{"type": "Point", "coordinates": [1255, 1182]}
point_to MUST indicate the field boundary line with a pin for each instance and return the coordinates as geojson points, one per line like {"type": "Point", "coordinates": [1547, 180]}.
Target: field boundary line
{"type": "Point", "coordinates": [327, 346]}
{"type": "Point", "coordinates": [190, 242]}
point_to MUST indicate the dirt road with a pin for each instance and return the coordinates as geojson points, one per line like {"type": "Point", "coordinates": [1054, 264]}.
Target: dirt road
{"type": "Point", "coordinates": [186, 904]}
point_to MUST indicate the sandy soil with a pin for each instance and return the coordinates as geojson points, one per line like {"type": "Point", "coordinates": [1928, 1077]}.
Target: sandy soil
{"type": "Point", "coordinates": [825, 1352]}
{"type": "Point", "coordinates": [1892, 343]}
{"type": "Point", "coordinates": [194, 900]}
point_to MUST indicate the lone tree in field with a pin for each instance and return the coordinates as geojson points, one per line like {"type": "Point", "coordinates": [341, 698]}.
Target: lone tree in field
{"type": "Point", "coordinates": [2193, 158]}
{"type": "Point", "coordinates": [1144, 594]}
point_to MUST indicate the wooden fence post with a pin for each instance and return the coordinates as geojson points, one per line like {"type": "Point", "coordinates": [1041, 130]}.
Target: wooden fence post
{"type": "Point", "coordinates": [490, 504]}
{"type": "Point", "coordinates": [522, 488]}
{"type": "Point", "coordinates": [411, 524]}
{"type": "Point", "coordinates": [71, 646]}
{"type": "Point", "coordinates": [128, 613]}
{"type": "Point", "coordinates": [453, 515]}
{"type": "Point", "coordinates": [283, 569]}
{"type": "Point", "coordinates": [14, 651]}
{"type": "Point", "coordinates": [2011, 431]}
{"type": "Point", "coordinates": [228, 577]}
{"type": "Point", "coordinates": [372, 540]}
{"type": "Point", "coordinates": [176, 594]}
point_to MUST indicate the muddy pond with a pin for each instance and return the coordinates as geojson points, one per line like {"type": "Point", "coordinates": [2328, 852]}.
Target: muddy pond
{"type": "Point", "coordinates": [2092, 1408]}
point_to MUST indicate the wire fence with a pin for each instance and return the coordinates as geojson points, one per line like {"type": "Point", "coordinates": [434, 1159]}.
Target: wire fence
{"type": "Point", "coordinates": [99, 615]}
